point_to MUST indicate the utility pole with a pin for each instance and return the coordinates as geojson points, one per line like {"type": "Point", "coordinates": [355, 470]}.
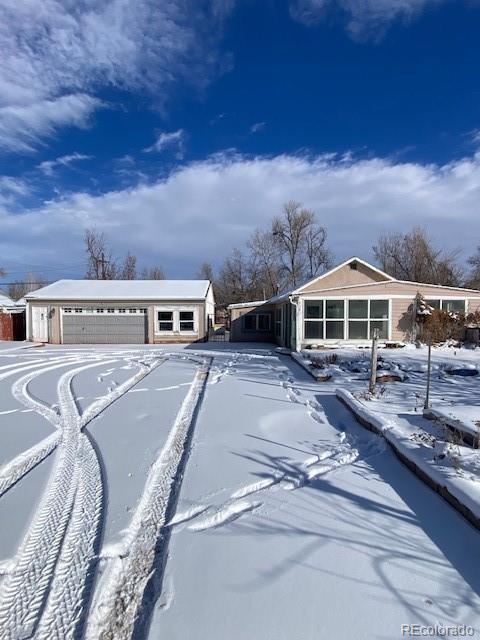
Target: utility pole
{"type": "Point", "coordinates": [373, 364]}
{"type": "Point", "coordinates": [429, 373]}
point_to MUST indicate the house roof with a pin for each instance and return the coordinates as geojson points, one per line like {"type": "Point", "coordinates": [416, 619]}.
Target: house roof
{"type": "Point", "coordinates": [122, 290]}
{"type": "Point", "coordinates": [282, 297]}
{"type": "Point", "coordinates": [243, 305]}
{"type": "Point", "coordinates": [5, 301]}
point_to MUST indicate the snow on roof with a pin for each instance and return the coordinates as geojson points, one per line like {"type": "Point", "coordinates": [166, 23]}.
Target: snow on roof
{"type": "Point", "coordinates": [122, 290]}
{"type": "Point", "coordinates": [5, 301]}
{"type": "Point", "coordinates": [243, 305]}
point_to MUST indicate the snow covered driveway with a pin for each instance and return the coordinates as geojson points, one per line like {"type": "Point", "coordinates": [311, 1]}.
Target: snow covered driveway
{"type": "Point", "coordinates": [286, 519]}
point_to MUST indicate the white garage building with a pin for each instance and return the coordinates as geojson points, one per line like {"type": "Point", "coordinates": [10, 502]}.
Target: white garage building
{"type": "Point", "coordinates": [120, 311]}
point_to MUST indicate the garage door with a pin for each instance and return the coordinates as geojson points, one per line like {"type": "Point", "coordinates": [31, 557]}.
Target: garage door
{"type": "Point", "coordinates": [104, 329]}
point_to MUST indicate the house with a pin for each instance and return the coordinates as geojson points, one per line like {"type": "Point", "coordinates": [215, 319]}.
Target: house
{"type": "Point", "coordinates": [343, 306]}
{"type": "Point", "coordinates": [120, 311]}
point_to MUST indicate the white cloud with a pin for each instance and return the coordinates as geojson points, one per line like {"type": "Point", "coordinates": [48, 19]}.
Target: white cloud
{"type": "Point", "coordinates": [258, 126]}
{"type": "Point", "coordinates": [364, 17]}
{"type": "Point", "coordinates": [168, 139]}
{"type": "Point", "coordinates": [48, 166]}
{"type": "Point", "coordinates": [53, 51]}
{"type": "Point", "coordinates": [204, 209]}
{"type": "Point", "coordinates": [22, 127]}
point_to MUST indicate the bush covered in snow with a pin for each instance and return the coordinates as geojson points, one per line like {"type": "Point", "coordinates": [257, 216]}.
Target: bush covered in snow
{"type": "Point", "coordinates": [439, 326]}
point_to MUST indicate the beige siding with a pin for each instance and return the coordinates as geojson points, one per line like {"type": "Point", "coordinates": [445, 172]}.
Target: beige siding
{"type": "Point", "coordinates": [393, 288]}
{"type": "Point", "coordinates": [473, 305]}
{"type": "Point", "coordinates": [55, 334]}
{"type": "Point", "coordinates": [344, 277]}
{"type": "Point", "coordinates": [402, 320]}
{"type": "Point", "coordinates": [237, 333]}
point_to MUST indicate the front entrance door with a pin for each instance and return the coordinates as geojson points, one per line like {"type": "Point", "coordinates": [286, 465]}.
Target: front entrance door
{"type": "Point", "coordinates": [40, 324]}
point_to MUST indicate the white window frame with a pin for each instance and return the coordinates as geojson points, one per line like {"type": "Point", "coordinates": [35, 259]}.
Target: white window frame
{"type": "Point", "coordinates": [449, 299]}
{"type": "Point", "coordinates": [176, 320]}
{"type": "Point", "coordinates": [346, 299]}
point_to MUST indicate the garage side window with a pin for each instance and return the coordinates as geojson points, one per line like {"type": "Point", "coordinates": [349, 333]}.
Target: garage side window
{"type": "Point", "coordinates": [165, 320]}
{"type": "Point", "coordinates": [186, 321]}
{"type": "Point", "coordinates": [176, 321]}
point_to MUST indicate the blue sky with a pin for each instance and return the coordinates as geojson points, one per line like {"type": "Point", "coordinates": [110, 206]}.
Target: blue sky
{"type": "Point", "coordinates": [177, 127]}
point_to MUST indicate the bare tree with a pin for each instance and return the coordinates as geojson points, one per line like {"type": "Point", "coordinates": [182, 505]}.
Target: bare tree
{"type": "Point", "coordinates": [100, 263]}
{"type": "Point", "coordinates": [129, 268]}
{"type": "Point", "coordinates": [153, 273]}
{"type": "Point", "coordinates": [318, 255]}
{"type": "Point", "coordinates": [205, 272]}
{"type": "Point", "coordinates": [473, 280]}
{"type": "Point", "coordinates": [3, 273]}
{"type": "Point", "coordinates": [237, 280]}
{"type": "Point", "coordinates": [32, 282]}
{"type": "Point", "coordinates": [266, 258]}
{"type": "Point", "coordinates": [301, 242]}
{"type": "Point", "coordinates": [413, 256]}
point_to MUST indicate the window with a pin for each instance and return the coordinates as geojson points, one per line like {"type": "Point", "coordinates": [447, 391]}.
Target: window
{"type": "Point", "coordinates": [78, 310]}
{"type": "Point", "coordinates": [132, 311]}
{"type": "Point", "coordinates": [313, 316]}
{"type": "Point", "coordinates": [175, 320]}
{"type": "Point", "coordinates": [186, 321]}
{"type": "Point", "coordinates": [313, 309]}
{"type": "Point", "coordinates": [110, 310]}
{"type": "Point", "coordinates": [334, 330]}
{"type": "Point", "coordinates": [358, 330]}
{"type": "Point", "coordinates": [334, 309]}
{"type": "Point", "coordinates": [379, 309]}
{"type": "Point", "coordinates": [456, 306]}
{"type": "Point", "coordinates": [67, 310]}
{"type": "Point", "coordinates": [278, 321]}
{"type": "Point", "coordinates": [165, 320]}
{"type": "Point", "coordinates": [357, 309]}
{"type": "Point", "coordinates": [335, 319]}
{"type": "Point", "coordinates": [143, 310]}
{"type": "Point", "coordinates": [256, 322]}
{"type": "Point", "coordinates": [100, 310]}
{"type": "Point", "coordinates": [366, 315]}
{"type": "Point", "coordinates": [382, 327]}
{"type": "Point", "coordinates": [121, 310]}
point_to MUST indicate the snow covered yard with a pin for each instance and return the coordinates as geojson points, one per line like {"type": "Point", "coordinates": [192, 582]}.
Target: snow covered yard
{"type": "Point", "coordinates": [214, 492]}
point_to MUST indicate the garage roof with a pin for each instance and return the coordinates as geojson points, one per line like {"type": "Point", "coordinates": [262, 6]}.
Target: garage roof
{"type": "Point", "coordinates": [122, 290]}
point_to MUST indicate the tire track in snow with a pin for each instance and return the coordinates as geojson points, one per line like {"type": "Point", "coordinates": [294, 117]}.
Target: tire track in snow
{"type": "Point", "coordinates": [70, 592]}
{"type": "Point", "coordinates": [69, 588]}
{"type": "Point", "coordinates": [120, 594]}
{"type": "Point", "coordinates": [12, 472]}
{"type": "Point", "coordinates": [23, 592]}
